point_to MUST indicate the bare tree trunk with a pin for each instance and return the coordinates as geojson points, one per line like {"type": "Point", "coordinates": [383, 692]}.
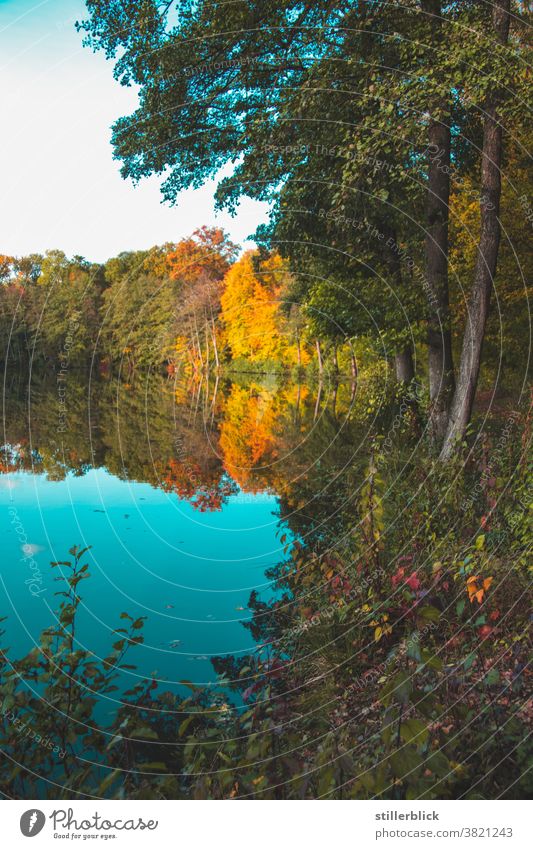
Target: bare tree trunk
{"type": "Point", "coordinates": [199, 344]}
{"type": "Point", "coordinates": [355, 374]}
{"type": "Point", "coordinates": [206, 332]}
{"type": "Point", "coordinates": [318, 399]}
{"type": "Point", "coordinates": [440, 364]}
{"type": "Point", "coordinates": [299, 351]}
{"type": "Point", "coordinates": [199, 349]}
{"type": "Point", "coordinates": [319, 355]}
{"type": "Point", "coordinates": [403, 361]}
{"type": "Point", "coordinates": [353, 363]}
{"type": "Point", "coordinates": [214, 401]}
{"type": "Point", "coordinates": [214, 338]}
{"type": "Point", "coordinates": [487, 254]}
{"type": "Point", "coordinates": [335, 358]}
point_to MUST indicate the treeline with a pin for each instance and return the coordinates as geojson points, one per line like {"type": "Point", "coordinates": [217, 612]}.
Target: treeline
{"type": "Point", "coordinates": [133, 310]}
{"type": "Point", "coordinates": [188, 305]}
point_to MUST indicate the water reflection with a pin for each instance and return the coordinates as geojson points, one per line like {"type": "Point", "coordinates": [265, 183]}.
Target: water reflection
{"type": "Point", "coordinates": [190, 494]}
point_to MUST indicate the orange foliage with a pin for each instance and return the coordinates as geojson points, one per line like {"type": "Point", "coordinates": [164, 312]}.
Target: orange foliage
{"type": "Point", "coordinates": [207, 253]}
{"type": "Point", "coordinates": [477, 588]}
{"type": "Point", "coordinates": [206, 491]}
{"type": "Point", "coordinates": [247, 434]}
{"type": "Point", "coordinates": [255, 327]}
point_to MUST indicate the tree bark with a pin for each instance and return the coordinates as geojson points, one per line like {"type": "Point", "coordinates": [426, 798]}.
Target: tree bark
{"type": "Point", "coordinates": [440, 358]}
{"type": "Point", "coordinates": [487, 254]}
{"type": "Point", "coordinates": [403, 361]}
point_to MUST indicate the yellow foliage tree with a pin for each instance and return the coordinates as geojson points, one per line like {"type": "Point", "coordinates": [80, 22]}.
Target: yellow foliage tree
{"type": "Point", "coordinates": [255, 327]}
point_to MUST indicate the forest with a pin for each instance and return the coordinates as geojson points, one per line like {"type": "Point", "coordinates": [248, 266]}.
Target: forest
{"type": "Point", "coordinates": [376, 336]}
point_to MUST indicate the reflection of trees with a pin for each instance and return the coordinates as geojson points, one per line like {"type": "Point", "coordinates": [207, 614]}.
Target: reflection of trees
{"type": "Point", "coordinates": [205, 489]}
{"type": "Point", "coordinates": [44, 440]}
{"type": "Point", "coordinates": [247, 438]}
{"type": "Point", "coordinates": [198, 441]}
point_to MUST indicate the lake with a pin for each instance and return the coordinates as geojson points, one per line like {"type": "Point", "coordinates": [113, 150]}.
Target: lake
{"type": "Point", "coordinates": [187, 494]}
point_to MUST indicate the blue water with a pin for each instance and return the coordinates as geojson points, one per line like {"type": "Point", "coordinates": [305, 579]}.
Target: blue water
{"type": "Point", "coordinates": [150, 549]}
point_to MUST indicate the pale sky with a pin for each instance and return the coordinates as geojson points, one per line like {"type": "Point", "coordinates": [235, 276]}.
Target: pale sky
{"type": "Point", "coordinates": [61, 187]}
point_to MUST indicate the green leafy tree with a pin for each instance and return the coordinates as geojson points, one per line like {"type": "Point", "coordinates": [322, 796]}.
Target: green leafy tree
{"type": "Point", "coordinates": [400, 85]}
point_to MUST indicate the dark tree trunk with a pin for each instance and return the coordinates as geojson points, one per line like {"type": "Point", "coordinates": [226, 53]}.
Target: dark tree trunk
{"type": "Point", "coordinates": [440, 358]}
{"type": "Point", "coordinates": [403, 361]}
{"type": "Point", "coordinates": [487, 254]}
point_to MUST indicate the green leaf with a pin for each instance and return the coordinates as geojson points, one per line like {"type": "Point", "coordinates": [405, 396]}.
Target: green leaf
{"type": "Point", "coordinates": [492, 677]}
{"type": "Point", "coordinates": [469, 660]}
{"type": "Point", "coordinates": [405, 762]}
{"type": "Point", "coordinates": [429, 613]}
{"type": "Point", "coordinates": [144, 732]}
{"type": "Point", "coordinates": [414, 730]}
{"type": "Point", "coordinates": [185, 724]}
{"type": "Point", "coordinates": [108, 780]}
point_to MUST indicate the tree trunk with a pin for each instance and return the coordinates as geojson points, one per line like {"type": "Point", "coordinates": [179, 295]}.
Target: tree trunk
{"type": "Point", "coordinates": [403, 361]}
{"type": "Point", "coordinates": [487, 255]}
{"type": "Point", "coordinates": [206, 332]}
{"type": "Point", "coordinates": [355, 373]}
{"type": "Point", "coordinates": [440, 359]}
{"type": "Point", "coordinates": [335, 358]}
{"type": "Point", "coordinates": [318, 399]}
{"type": "Point", "coordinates": [196, 338]}
{"type": "Point", "coordinates": [214, 338]}
{"type": "Point", "coordinates": [319, 356]}
{"type": "Point", "coordinates": [405, 370]}
{"type": "Point", "coordinates": [353, 363]}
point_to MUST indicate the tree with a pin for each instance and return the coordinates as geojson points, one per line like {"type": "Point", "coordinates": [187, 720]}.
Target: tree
{"type": "Point", "coordinates": [201, 262]}
{"type": "Point", "coordinates": [488, 246]}
{"type": "Point", "coordinates": [270, 79]}
{"type": "Point", "coordinates": [172, 291]}
{"type": "Point", "coordinates": [138, 311]}
{"type": "Point", "coordinates": [255, 325]}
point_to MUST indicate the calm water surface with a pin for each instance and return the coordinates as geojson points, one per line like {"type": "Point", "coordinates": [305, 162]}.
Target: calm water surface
{"type": "Point", "coordinates": [180, 493]}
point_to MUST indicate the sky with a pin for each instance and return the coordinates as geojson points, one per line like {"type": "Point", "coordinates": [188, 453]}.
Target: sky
{"type": "Point", "coordinates": [61, 187]}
